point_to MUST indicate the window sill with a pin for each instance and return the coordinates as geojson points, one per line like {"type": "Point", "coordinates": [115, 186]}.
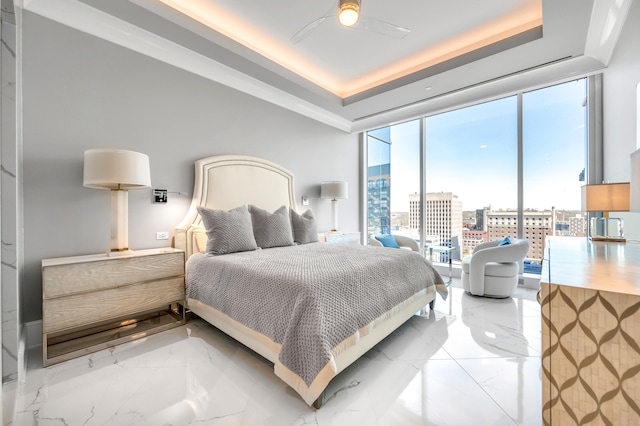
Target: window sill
{"type": "Point", "coordinates": [526, 280]}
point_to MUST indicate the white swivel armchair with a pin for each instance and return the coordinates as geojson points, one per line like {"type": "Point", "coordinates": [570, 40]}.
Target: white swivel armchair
{"type": "Point", "coordinates": [402, 241]}
{"type": "Point", "coordinates": [492, 270]}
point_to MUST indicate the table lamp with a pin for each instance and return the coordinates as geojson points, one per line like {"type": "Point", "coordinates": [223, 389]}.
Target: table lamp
{"type": "Point", "coordinates": [334, 191]}
{"type": "Point", "coordinates": [606, 198]}
{"type": "Point", "coordinates": [119, 171]}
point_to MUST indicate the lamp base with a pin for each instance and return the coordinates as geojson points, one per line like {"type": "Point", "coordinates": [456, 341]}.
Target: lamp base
{"type": "Point", "coordinates": [607, 229]}
{"type": "Point", "coordinates": [334, 215]}
{"type": "Point", "coordinates": [119, 252]}
{"type": "Point", "coordinates": [608, 239]}
{"type": "Point", "coordinates": [119, 220]}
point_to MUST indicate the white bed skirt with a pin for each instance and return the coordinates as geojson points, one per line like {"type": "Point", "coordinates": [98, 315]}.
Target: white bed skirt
{"type": "Point", "coordinates": [342, 355]}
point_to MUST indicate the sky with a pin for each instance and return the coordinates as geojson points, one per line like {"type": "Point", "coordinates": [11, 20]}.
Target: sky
{"type": "Point", "coordinates": [472, 152]}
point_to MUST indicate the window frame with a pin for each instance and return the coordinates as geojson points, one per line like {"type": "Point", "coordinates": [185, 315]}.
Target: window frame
{"type": "Point", "coordinates": [593, 149]}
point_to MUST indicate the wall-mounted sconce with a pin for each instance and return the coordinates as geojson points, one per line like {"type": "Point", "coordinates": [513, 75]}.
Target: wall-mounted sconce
{"type": "Point", "coordinates": [159, 195]}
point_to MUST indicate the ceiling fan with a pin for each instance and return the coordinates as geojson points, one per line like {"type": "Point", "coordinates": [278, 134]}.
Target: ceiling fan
{"type": "Point", "coordinates": [348, 13]}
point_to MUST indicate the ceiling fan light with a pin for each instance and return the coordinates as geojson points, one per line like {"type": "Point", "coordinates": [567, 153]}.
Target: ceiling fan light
{"type": "Point", "coordinates": [349, 12]}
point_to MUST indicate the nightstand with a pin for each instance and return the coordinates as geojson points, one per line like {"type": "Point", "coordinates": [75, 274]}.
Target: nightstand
{"type": "Point", "coordinates": [339, 237]}
{"type": "Point", "coordinates": [93, 302]}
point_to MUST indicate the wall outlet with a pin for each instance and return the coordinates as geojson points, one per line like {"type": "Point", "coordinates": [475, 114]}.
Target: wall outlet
{"type": "Point", "coordinates": [162, 235]}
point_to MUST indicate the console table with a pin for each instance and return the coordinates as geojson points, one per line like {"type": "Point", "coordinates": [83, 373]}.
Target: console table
{"type": "Point", "coordinates": [590, 297]}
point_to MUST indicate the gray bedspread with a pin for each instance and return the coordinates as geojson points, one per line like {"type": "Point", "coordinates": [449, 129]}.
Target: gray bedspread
{"type": "Point", "coordinates": [308, 297]}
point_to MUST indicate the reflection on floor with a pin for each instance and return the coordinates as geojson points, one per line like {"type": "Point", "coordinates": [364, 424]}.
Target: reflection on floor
{"type": "Point", "coordinates": [472, 361]}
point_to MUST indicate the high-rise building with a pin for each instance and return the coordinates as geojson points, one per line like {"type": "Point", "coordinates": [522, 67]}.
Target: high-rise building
{"type": "Point", "coordinates": [442, 218]}
{"type": "Point", "coordinates": [378, 199]}
{"type": "Point", "coordinates": [481, 218]}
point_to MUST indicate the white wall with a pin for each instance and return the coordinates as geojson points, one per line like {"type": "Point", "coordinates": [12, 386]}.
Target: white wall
{"type": "Point", "coordinates": [620, 111]}
{"type": "Point", "coordinates": [81, 92]}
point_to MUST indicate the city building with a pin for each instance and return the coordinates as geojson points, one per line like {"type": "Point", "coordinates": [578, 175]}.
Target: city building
{"type": "Point", "coordinates": [537, 226]}
{"type": "Point", "coordinates": [443, 218]}
{"type": "Point", "coordinates": [481, 218]}
{"type": "Point", "coordinates": [471, 238]}
{"type": "Point", "coordinates": [578, 226]}
{"type": "Point", "coordinates": [378, 200]}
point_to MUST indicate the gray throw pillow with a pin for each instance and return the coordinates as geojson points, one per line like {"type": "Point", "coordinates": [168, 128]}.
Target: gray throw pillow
{"type": "Point", "coordinates": [304, 227]}
{"type": "Point", "coordinates": [228, 232]}
{"type": "Point", "coordinates": [271, 229]}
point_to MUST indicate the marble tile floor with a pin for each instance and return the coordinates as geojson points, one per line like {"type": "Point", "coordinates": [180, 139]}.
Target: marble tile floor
{"type": "Point", "coordinates": [472, 361]}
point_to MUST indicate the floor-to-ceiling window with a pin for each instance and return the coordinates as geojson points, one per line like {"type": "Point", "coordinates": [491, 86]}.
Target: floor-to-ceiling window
{"type": "Point", "coordinates": [393, 180]}
{"type": "Point", "coordinates": [554, 135]}
{"type": "Point", "coordinates": [473, 174]}
{"type": "Point", "coordinates": [378, 181]}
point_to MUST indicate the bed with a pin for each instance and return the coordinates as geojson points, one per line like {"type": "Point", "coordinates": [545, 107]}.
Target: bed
{"type": "Point", "coordinates": [310, 308]}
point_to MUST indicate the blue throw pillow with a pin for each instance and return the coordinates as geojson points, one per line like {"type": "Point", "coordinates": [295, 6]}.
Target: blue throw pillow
{"type": "Point", "coordinates": [505, 242]}
{"type": "Point", "coordinates": [387, 240]}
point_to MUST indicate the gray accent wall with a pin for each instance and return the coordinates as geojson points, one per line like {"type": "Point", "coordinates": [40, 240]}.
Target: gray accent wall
{"type": "Point", "coordinates": [81, 92]}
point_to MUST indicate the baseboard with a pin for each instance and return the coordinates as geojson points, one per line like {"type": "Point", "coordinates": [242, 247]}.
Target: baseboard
{"type": "Point", "coordinates": [34, 333]}
{"type": "Point", "coordinates": [443, 270]}
{"type": "Point", "coordinates": [525, 280]}
{"type": "Point", "coordinates": [530, 281]}
{"type": "Point", "coordinates": [10, 389]}
{"type": "Point", "coordinates": [23, 354]}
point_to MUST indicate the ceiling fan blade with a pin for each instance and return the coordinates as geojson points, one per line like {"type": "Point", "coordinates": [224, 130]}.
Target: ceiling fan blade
{"type": "Point", "coordinates": [313, 25]}
{"type": "Point", "coordinates": [307, 29]}
{"type": "Point", "coordinates": [382, 27]}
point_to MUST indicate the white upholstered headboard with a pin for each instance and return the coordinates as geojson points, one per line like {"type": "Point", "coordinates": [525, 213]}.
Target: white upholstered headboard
{"type": "Point", "coordinates": [228, 181]}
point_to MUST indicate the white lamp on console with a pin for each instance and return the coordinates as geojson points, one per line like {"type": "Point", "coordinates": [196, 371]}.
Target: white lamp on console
{"type": "Point", "coordinates": [334, 191]}
{"type": "Point", "coordinates": [605, 198]}
{"type": "Point", "coordinates": [117, 170]}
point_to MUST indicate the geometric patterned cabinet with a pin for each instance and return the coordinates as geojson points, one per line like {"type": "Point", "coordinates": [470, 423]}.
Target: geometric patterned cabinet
{"type": "Point", "coordinates": [590, 297]}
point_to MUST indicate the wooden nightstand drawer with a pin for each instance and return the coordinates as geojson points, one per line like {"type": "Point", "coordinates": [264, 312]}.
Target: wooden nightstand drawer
{"type": "Point", "coordinates": [68, 312]}
{"type": "Point", "coordinates": [89, 274]}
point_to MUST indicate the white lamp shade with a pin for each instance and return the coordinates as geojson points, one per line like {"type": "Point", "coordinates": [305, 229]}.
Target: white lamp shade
{"type": "Point", "coordinates": [116, 169]}
{"type": "Point", "coordinates": [635, 182]}
{"type": "Point", "coordinates": [333, 190]}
